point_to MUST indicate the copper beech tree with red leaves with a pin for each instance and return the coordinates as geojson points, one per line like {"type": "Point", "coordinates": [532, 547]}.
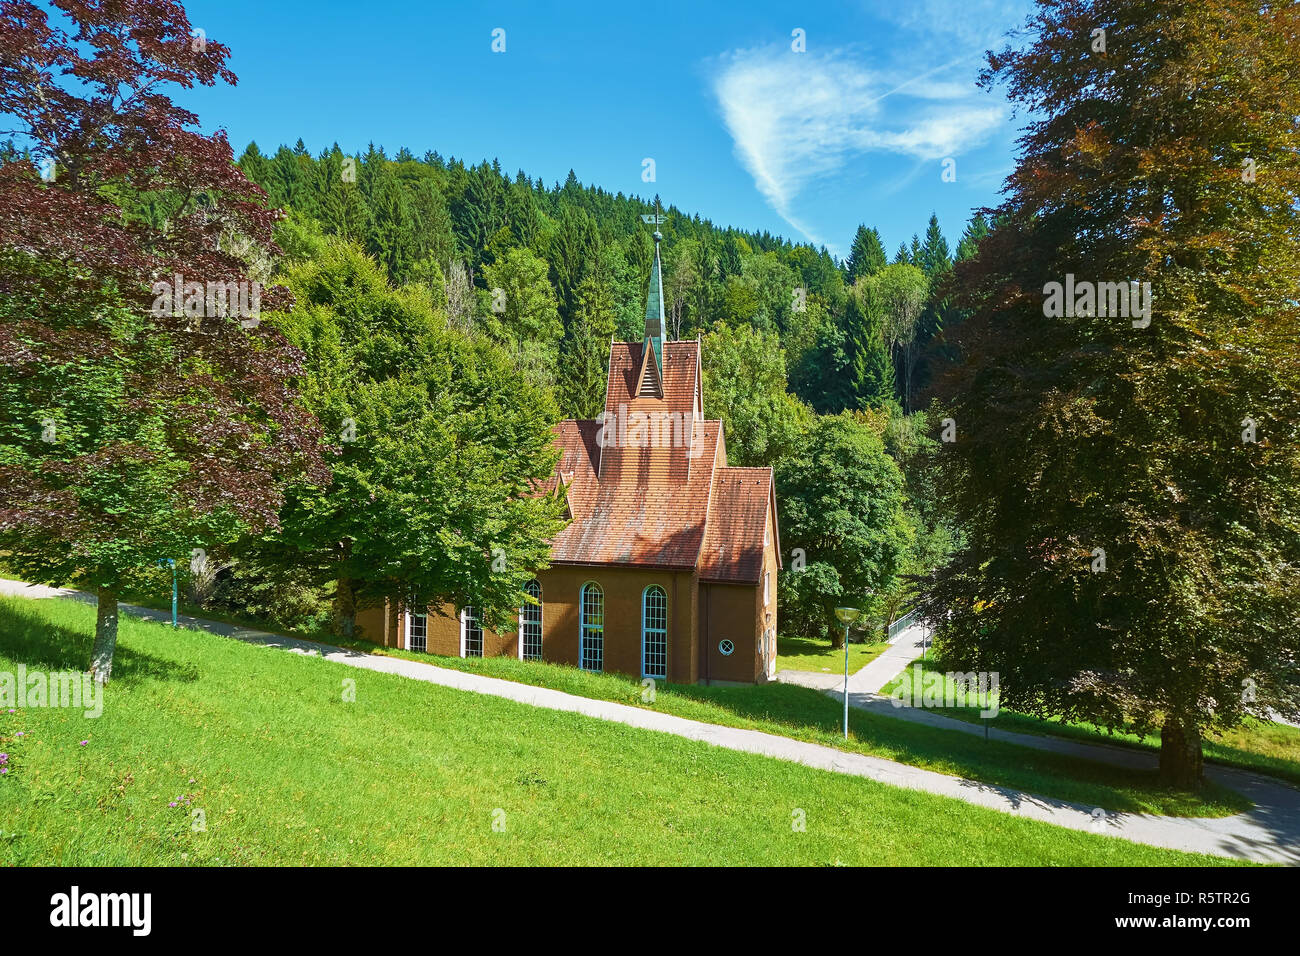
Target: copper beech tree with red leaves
{"type": "Point", "coordinates": [1129, 484]}
{"type": "Point", "coordinates": [133, 427]}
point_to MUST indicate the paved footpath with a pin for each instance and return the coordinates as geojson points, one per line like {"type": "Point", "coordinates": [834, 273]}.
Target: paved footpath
{"type": "Point", "coordinates": [1269, 833]}
{"type": "Point", "coordinates": [902, 650]}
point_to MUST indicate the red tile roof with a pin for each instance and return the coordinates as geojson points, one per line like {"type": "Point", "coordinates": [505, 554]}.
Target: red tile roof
{"type": "Point", "coordinates": [733, 544]}
{"type": "Point", "coordinates": [648, 484]}
{"type": "Point", "coordinates": [678, 409]}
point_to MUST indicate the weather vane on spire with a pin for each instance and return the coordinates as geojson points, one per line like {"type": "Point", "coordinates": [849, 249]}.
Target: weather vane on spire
{"type": "Point", "coordinates": [655, 218]}
{"type": "Point", "coordinates": [654, 306]}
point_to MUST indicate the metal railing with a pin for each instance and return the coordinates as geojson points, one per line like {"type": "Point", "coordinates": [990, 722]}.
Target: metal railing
{"type": "Point", "coordinates": [909, 619]}
{"type": "Point", "coordinates": [902, 624]}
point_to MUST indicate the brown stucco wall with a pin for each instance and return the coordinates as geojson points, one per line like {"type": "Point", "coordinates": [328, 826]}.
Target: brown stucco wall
{"type": "Point", "coordinates": [378, 625]}
{"type": "Point", "coordinates": [561, 588]}
{"type": "Point", "coordinates": [443, 630]}
{"type": "Point", "coordinates": [727, 612]}
{"type": "Point", "coordinates": [699, 616]}
{"type": "Point", "coordinates": [737, 612]}
{"type": "Point", "coordinates": [766, 612]}
{"type": "Point", "coordinates": [623, 587]}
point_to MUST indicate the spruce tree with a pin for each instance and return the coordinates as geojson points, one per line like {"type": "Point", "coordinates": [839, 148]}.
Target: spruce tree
{"type": "Point", "coordinates": [872, 369]}
{"type": "Point", "coordinates": [935, 257]}
{"type": "Point", "coordinates": [976, 230]}
{"type": "Point", "coordinates": [867, 255]}
{"type": "Point", "coordinates": [392, 240]}
{"type": "Point", "coordinates": [585, 351]}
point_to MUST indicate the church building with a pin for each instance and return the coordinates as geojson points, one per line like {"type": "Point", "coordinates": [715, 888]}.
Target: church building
{"type": "Point", "coordinates": [667, 568]}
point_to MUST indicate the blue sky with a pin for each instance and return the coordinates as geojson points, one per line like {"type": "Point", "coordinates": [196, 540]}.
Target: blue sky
{"type": "Point", "coordinates": [742, 129]}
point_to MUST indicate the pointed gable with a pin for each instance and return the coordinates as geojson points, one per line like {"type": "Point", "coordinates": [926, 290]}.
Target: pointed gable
{"type": "Point", "coordinates": [649, 437]}
{"type": "Point", "coordinates": [647, 484]}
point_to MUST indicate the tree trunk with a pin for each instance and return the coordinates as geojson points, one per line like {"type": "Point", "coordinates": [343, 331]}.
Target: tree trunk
{"type": "Point", "coordinates": [1181, 760]}
{"type": "Point", "coordinates": [345, 608]}
{"type": "Point", "coordinates": [101, 654]}
{"type": "Point", "coordinates": [837, 638]}
{"type": "Point", "coordinates": [344, 623]}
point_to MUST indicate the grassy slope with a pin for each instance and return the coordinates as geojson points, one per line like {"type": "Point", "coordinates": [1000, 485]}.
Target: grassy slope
{"type": "Point", "coordinates": [810, 715]}
{"type": "Point", "coordinates": [1256, 745]}
{"type": "Point", "coordinates": [801, 654]}
{"type": "Point", "coordinates": [287, 772]}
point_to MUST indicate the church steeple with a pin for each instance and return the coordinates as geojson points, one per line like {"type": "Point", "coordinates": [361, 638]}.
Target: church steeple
{"type": "Point", "coordinates": [652, 369]}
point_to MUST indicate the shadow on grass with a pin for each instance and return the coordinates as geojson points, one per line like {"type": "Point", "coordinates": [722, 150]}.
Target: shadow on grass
{"type": "Point", "coordinates": [30, 637]}
{"type": "Point", "coordinates": [800, 646]}
{"type": "Point", "coordinates": [1219, 748]}
{"type": "Point", "coordinates": [953, 751]}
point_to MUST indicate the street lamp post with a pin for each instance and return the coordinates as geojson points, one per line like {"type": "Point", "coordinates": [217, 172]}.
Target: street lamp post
{"type": "Point", "coordinates": [846, 615]}
{"type": "Point", "coordinates": [171, 562]}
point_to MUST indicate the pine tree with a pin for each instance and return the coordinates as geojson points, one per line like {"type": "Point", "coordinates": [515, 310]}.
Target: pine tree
{"type": "Point", "coordinates": [341, 208]}
{"type": "Point", "coordinates": [935, 258]}
{"type": "Point", "coordinates": [585, 352]}
{"type": "Point", "coordinates": [392, 240]}
{"type": "Point", "coordinates": [976, 230]}
{"type": "Point", "coordinates": [480, 211]}
{"type": "Point", "coordinates": [255, 165]}
{"type": "Point", "coordinates": [436, 237]}
{"type": "Point", "coordinates": [867, 255]}
{"type": "Point", "coordinates": [872, 369]}
{"type": "Point", "coordinates": [571, 249]}
{"type": "Point", "coordinates": [287, 184]}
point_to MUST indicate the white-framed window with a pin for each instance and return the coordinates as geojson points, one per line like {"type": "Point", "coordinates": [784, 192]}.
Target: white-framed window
{"type": "Point", "coordinates": [654, 633]}
{"type": "Point", "coordinates": [767, 533]}
{"type": "Point", "coordinates": [471, 633]}
{"type": "Point", "coordinates": [530, 624]}
{"type": "Point", "coordinates": [591, 652]}
{"type": "Point", "coordinates": [767, 587]}
{"type": "Point", "coordinates": [417, 633]}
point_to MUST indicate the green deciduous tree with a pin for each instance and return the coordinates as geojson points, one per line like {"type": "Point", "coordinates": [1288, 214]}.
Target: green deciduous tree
{"type": "Point", "coordinates": [745, 386]}
{"type": "Point", "coordinates": [841, 502]}
{"type": "Point", "coordinates": [131, 430]}
{"type": "Point", "coordinates": [439, 440]}
{"type": "Point", "coordinates": [521, 313]}
{"type": "Point", "coordinates": [894, 300]}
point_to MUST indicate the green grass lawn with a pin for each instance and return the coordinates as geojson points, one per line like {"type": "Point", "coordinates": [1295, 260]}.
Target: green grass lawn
{"type": "Point", "coordinates": [809, 715]}
{"type": "Point", "coordinates": [803, 654]}
{"type": "Point", "coordinates": [286, 771]}
{"type": "Point", "coordinates": [1256, 745]}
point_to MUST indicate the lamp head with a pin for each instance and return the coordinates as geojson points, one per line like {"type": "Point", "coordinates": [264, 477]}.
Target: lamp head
{"type": "Point", "coordinates": [847, 615]}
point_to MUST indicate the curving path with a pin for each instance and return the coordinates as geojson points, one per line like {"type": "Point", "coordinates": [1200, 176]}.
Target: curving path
{"type": "Point", "coordinates": [1269, 834]}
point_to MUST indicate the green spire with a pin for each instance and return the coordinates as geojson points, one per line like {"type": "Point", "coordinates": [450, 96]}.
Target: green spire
{"type": "Point", "coordinates": [654, 311]}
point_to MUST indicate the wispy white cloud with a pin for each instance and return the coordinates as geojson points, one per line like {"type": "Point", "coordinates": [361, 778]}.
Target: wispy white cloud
{"type": "Point", "coordinates": [974, 24]}
{"type": "Point", "coordinates": [796, 118]}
